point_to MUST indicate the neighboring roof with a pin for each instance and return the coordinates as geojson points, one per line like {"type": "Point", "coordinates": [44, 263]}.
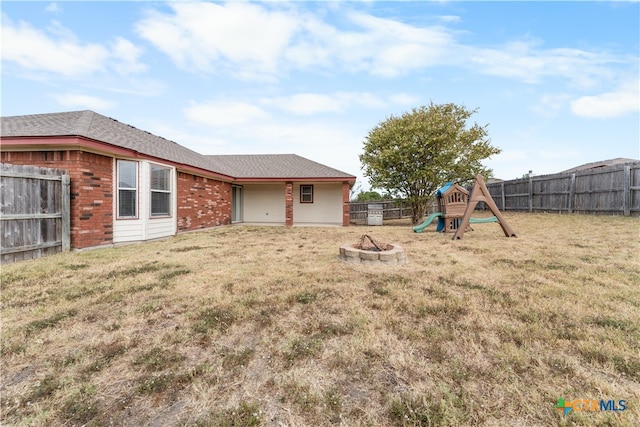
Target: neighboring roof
{"type": "Point", "coordinates": [97, 127]}
{"type": "Point", "coordinates": [283, 166]}
{"type": "Point", "coordinates": [601, 164]}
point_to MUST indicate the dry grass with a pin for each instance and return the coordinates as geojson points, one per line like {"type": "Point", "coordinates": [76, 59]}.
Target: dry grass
{"type": "Point", "coordinates": [243, 326]}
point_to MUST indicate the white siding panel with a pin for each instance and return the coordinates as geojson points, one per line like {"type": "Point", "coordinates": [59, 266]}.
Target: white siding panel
{"type": "Point", "coordinates": [264, 203]}
{"type": "Point", "coordinates": [127, 230]}
{"type": "Point", "coordinates": [145, 228]}
{"type": "Point", "coordinates": [325, 209]}
{"type": "Point", "coordinates": [161, 227]}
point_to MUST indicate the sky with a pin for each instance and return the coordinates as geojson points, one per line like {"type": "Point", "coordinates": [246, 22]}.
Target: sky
{"type": "Point", "coordinates": [556, 83]}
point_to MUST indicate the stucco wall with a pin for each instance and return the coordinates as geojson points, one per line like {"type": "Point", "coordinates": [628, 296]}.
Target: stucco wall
{"type": "Point", "coordinates": [325, 209]}
{"type": "Point", "coordinates": [264, 203]}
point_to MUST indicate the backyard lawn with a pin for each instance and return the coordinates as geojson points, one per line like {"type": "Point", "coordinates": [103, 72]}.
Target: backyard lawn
{"type": "Point", "coordinates": [248, 325]}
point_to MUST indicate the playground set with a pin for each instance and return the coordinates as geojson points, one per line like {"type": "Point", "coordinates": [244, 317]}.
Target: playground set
{"type": "Point", "coordinates": [455, 206]}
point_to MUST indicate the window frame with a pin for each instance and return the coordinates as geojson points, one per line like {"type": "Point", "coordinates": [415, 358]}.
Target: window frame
{"type": "Point", "coordinates": [134, 190]}
{"type": "Point", "coordinates": [152, 190]}
{"type": "Point", "coordinates": [303, 193]}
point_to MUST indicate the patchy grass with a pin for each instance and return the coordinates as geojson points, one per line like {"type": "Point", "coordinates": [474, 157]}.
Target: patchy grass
{"type": "Point", "coordinates": [248, 326]}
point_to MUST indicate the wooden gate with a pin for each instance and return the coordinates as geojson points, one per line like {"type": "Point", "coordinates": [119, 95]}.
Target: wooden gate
{"type": "Point", "coordinates": [34, 212]}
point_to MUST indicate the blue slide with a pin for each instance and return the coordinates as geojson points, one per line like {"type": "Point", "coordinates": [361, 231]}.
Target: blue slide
{"type": "Point", "coordinates": [425, 224]}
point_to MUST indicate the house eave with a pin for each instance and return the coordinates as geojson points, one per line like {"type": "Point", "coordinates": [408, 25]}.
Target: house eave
{"type": "Point", "coordinates": [70, 142]}
{"type": "Point", "coordinates": [350, 179]}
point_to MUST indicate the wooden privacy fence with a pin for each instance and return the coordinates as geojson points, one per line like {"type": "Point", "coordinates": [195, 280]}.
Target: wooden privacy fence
{"type": "Point", "coordinates": [605, 190]}
{"type": "Point", "coordinates": [391, 209]}
{"type": "Point", "coordinates": [34, 212]}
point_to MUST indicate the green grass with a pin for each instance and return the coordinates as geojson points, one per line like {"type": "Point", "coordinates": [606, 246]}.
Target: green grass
{"type": "Point", "coordinates": [248, 326]}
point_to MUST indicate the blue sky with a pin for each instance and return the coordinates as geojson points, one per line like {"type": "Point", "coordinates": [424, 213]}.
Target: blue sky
{"type": "Point", "coordinates": [557, 82]}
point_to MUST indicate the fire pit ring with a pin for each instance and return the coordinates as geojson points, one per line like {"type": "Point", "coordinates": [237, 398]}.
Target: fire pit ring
{"type": "Point", "coordinates": [373, 253]}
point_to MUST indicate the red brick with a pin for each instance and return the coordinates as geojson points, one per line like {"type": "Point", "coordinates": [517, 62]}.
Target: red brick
{"type": "Point", "coordinates": [202, 202]}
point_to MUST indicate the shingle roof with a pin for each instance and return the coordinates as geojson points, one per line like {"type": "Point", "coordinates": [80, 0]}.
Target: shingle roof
{"type": "Point", "coordinates": [600, 164]}
{"type": "Point", "coordinates": [249, 166]}
{"type": "Point", "coordinates": [95, 126]}
{"type": "Point", "coordinates": [101, 128]}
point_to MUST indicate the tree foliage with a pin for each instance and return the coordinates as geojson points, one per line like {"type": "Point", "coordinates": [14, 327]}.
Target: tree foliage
{"type": "Point", "coordinates": [411, 156]}
{"type": "Point", "coordinates": [368, 196]}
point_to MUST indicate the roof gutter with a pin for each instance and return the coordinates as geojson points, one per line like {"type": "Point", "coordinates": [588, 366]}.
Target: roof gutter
{"type": "Point", "coordinates": [350, 179]}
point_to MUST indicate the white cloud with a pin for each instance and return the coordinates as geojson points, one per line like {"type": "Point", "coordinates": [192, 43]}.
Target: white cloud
{"type": "Point", "coordinates": [332, 144]}
{"type": "Point", "coordinates": [391, 48]}
{"type": "Point", "coordinates": [206, 36]}
{"type": "Point", "coordinates": [224, 114]}
{"type": "Point", "coordinates": [404, 99]}
{"type": "Point", "coordinates": [449, 18]}
{"type": "Point", "coordinates": [32, 49]}
{"type": "Point", "coordinates": [70, 100]}
{"type": "Point", "coordinates": [267, 41]}
{"type": "Point", "coordinates": [618, 103]}
{"type": "Point", "coordinates": [550, 104]}
{"type": "Point", "coordinates": [228, 113]}
{"type": "Point", "coordinates": [527, 61]}
{"type": "Point", "coordinates": [59, 51]}
{"type": "Point", "coordinates": [309, 103]}
{"type": "Point", "coordinates": [204, 143]}
{"type": "Point", "coordinates": [126, 55]}
{"type": "Point", "coordinates": [53, 7]}
{"type": "Point", "coordinates": [313, 103]}
{"type": "Point", "coordinates": [253, 41]}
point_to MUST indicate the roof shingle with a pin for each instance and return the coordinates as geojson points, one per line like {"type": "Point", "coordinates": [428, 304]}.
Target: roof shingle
{"type": "Point", "coordinates": [95, 126]}
{"type": "Point", "coordinates": [272, 166]}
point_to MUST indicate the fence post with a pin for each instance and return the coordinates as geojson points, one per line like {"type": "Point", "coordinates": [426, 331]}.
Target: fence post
{"type": "Point", "coordinates": [626, 204]}
{"type": "Point", "coordinates": [572, 192]}
{"type": "Point", "coordinates": [502, 197]}
{"type": "Point", "coordinates": [66, 213]}
{"type": "Point", "coordinates": [530, 194]}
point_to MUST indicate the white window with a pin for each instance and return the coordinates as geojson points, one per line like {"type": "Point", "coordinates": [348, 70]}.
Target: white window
{"type": "Point", "coordinates": [160, 191]}
{"type": "Point", "coordinates": [306, 194]}
{"type": "Point", "coordinates": [127, 189]}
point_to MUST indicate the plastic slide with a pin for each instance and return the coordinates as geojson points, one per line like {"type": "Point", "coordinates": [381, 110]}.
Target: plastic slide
{"type": "Point", "coordinates": [482, 220]}
{"type": "Point", "coordinates": [425, 224]}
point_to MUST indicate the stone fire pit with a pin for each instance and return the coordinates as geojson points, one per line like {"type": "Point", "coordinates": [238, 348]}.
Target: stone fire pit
{"type": "Point", "coordinates": [369, 251]}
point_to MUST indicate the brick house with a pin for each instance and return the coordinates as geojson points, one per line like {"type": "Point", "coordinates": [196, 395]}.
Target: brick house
{"type": "Point", "coordinates": [129, 185]}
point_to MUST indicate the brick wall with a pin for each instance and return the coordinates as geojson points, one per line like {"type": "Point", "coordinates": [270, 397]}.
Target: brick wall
{"type": "Point", "coordinates": [202, 202]}
{"type": "Point", "coordinates": [288, 203]}
{"type": "Point", "coordinates": [345, 204]}
{"type": "Point", "coordinates": [91, 191]}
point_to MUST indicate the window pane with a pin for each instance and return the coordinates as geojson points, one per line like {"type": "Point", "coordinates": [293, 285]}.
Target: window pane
{"type": "Point", "coordinates": [127, 172]}
{"type": "Point", "coordinates": [160, 178]}
{"type": "Point", "coordinates": [306, 193]}
{"type": "Point", "coordinates": [160, 203]}
{"type": "Point", "coordinates": [126, 203]}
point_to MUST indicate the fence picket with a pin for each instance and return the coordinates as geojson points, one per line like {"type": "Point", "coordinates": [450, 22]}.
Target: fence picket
{"type": "Point", "coordinates": [34, 212]}
{"type": "Point", "coordinates": [608, 189]}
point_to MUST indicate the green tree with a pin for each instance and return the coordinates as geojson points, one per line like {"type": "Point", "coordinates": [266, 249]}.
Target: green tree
{"type": "Point", "coordinates": [368, 196]}
{"type": "Point", "coordinates": [411, 156]}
